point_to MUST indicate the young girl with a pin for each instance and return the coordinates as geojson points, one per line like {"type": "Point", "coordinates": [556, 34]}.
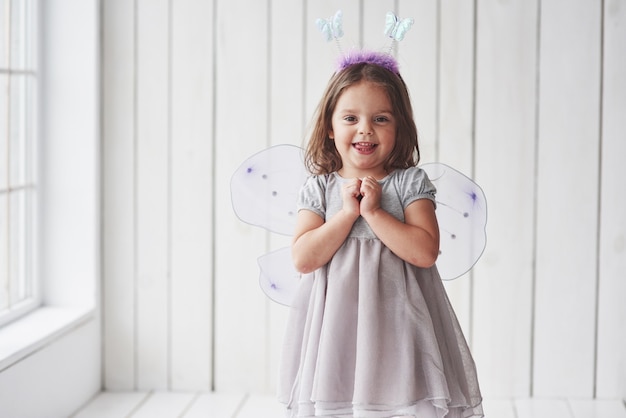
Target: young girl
{"type": "Point", "coordinates": [371, 331]}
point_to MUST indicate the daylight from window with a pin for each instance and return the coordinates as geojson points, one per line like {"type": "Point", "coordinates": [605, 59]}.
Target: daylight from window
{"type": "Point", "coordinates": [18, 189]}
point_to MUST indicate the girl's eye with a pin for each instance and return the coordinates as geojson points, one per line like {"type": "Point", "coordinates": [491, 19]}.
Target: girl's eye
{"type": "Point", "coordinates": [381, 119]}
{"type": "Point", "coordinates": [349, 119]}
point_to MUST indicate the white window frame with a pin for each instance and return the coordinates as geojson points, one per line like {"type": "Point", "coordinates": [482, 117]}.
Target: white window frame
{"type": "Point", "coordinates": [18, 235]}
{"type": "Point", "coordinates": [68, 233]}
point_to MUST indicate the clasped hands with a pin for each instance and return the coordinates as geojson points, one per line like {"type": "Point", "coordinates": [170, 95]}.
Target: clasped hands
{"type": "Point", "coordinates": [362, 196]}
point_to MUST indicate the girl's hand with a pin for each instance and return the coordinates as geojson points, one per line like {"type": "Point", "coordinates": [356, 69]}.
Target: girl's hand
{"type": "Point", "coordinates": [351, 193]}
{"type": "Point", "coordinates": [316, 239]}
{"type": "Point", "coordinates": [371, 191]}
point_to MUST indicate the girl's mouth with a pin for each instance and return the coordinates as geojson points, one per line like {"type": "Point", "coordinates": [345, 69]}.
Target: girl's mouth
{"type": "Point", "coordinates": [364, 147]}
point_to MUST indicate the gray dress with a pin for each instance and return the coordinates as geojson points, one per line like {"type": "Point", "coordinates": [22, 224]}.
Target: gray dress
{"type": "Point", "coordinates": [370, 335]}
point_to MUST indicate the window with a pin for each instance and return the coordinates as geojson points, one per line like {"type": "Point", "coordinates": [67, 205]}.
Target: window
{"type": "Point", "coordinates": [49, 181]}
{"type": "Point", "coordinates": [18, 152]}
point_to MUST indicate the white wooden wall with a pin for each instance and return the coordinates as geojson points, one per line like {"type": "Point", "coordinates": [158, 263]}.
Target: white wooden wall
{"type": "Point", "coordinates": [526, 96]}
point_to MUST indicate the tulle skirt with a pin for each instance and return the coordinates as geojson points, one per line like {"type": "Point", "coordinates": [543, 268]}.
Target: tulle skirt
{"type": "Point", "coordinates": [370, 335]}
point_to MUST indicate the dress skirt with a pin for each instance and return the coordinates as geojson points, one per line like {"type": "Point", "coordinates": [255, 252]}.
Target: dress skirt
{"type": "Point", "coordinates": [370, 335]}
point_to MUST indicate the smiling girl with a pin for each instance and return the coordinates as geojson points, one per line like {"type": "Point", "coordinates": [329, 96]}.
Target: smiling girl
{"type": "Point", "coordinates": [371, 331]}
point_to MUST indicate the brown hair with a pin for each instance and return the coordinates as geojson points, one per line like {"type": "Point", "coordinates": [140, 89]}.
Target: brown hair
{"type": "Point", "coordinates": [321, 156]}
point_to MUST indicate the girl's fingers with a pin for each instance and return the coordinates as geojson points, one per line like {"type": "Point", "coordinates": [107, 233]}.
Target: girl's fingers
{"type": "Point", "coordinates": [353, 187]}
{"type": "Point", "coordinates": [371, 191]}
{"type": "Point", "coordinates": [368, 183]}
{"type": "Point", "coordinates": [351, 194]}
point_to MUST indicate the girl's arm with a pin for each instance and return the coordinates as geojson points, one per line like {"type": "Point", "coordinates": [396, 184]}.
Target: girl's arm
{"type": "Point", "coordinates": [416, 240]}
{"type": "Point", "coordinates": [315, 241]}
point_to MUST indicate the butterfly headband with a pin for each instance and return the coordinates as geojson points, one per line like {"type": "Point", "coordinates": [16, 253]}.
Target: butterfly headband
{"type": "Point", "coordinates": [395, 29]}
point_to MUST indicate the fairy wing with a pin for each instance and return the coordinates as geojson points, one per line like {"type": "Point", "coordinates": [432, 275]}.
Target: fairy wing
{"type": "Point", "coordinates": [462, 217]}
{"type": "Point", "coordinates": [265, 187]}
{"type": "Point", "coordinates": [278, 278]}
{"type": "Point", "coordinates": [264, 192]}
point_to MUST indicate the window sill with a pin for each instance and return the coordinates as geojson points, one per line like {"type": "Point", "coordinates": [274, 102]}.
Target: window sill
{"type": "Point", "coordinates": [36, 330]}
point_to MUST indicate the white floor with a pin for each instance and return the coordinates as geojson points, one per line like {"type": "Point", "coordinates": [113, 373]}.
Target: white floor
{"type": "Point", "coordinates": [213, 405]}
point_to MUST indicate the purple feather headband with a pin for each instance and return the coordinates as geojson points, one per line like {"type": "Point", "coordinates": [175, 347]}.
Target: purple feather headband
{"type": "Point", "coordinates": [382, 59]}
{"type": "Point", "coordinates": [395, 28]}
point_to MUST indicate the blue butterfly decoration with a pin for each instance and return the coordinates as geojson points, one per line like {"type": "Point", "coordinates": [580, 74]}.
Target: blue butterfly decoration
{"type": "Point", "coordinates": [396, 28]}
{"type": "Point", "coordinates": [331, 28]}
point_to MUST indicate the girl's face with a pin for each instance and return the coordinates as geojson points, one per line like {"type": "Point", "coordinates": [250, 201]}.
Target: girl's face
{"type": "Point", "coordinates": [364, 130]}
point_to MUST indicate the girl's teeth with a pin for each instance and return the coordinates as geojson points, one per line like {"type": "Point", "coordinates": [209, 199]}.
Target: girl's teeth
{"type": "Point", "coordinates": [364, 147]}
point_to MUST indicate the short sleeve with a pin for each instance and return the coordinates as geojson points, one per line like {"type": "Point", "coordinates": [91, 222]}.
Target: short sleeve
{"type": "Point", "coordinates": [312, 196]}
{"type": "Point", "coordinates": [414, 184]}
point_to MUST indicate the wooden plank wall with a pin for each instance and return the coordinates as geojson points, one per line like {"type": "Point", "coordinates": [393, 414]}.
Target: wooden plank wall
{"type": "Point", "coordinates": [526, 96]}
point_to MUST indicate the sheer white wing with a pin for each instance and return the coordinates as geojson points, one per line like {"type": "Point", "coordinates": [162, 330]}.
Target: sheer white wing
{"type": "Point", "coordinates": [278, 278]}
{"type": "Point", "coordinates": [264, 192]}
{"type": "Point", "coordinates": [264, 189]}
{"type": "Point", "coordinates": [462, 217]}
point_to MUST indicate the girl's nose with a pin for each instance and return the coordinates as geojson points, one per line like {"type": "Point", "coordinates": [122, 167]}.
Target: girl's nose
{"type": "Point", "coordinates": [365, 129]}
